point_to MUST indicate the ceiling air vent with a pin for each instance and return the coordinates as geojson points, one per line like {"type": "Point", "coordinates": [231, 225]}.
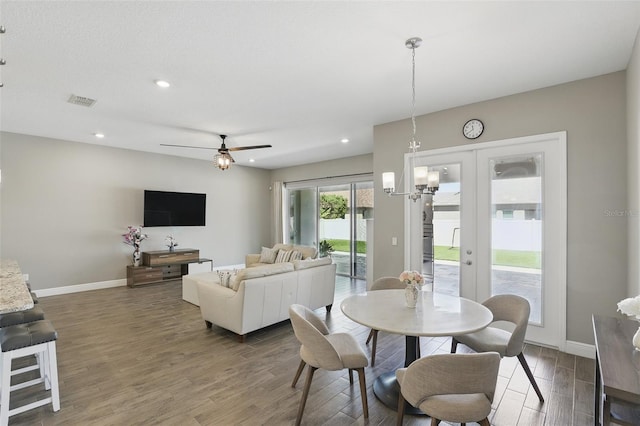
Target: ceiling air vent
{"type": "Point", "coordinates": [81, 100]}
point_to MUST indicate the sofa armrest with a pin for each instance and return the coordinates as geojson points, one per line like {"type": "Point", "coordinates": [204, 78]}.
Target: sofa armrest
{"type": "Point", "coordinates": [221, 305]}
{"type": "Point", "coordinates": [250, 259]}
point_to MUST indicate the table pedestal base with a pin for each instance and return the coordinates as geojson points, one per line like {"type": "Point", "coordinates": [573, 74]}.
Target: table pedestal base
{"type": "Point", "coordinates": [387, 390]}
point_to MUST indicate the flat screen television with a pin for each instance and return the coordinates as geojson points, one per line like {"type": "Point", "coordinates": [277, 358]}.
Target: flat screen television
{"type": "Point", "coordinates": [162, 208]}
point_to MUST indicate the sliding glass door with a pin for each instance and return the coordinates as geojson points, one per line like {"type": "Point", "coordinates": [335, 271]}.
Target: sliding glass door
{"type": "Point", "coordinates": [332, 218]}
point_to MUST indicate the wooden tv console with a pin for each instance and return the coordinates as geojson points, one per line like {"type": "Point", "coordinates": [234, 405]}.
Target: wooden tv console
{"type": "Point", "coordinates": [164, 265]}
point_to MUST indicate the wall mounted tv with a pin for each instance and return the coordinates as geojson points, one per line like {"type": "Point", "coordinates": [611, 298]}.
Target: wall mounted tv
{"type": "Point", "coordinates": [163, 208]}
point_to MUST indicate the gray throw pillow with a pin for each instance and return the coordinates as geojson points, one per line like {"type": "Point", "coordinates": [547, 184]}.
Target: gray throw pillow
{"type": "Point", "coordinates": [268, 255]}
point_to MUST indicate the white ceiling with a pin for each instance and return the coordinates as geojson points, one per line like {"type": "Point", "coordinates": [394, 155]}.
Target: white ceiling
{"type": "Point", "coordinates": [297, 75]}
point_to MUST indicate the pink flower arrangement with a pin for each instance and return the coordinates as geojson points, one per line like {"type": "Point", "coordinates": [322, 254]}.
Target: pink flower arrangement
{"type": "Point", "coordinates": [411, 277]}
{"type": "Point", "coordinates": [134, 236]}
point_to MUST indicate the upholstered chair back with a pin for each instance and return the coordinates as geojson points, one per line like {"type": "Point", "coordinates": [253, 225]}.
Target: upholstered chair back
{"type": "Point", "coordinates": [450, 374]}
{"type": "Point", "coordinates": [310, 331]}
{"type": "Point", "coordinates": [513, 309]}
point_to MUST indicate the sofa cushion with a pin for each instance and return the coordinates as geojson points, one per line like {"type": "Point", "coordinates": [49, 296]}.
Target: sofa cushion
{"type": "Point", "coordinates": [311, 263]}
{"type": "Point", "coordinates": [295, 255]}
{"type": "Point", "coordinates": [268, 255]}
{"type": "Point", "coordinates": [259, 271]}
{"type": "Point", "coordinates": [307, 251]}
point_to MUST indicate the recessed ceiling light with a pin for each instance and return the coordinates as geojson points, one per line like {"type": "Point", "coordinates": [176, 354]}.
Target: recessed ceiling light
{"type": "Point", "coordinates": [163, 84]}
{"type": "Point", "coordinates": [251, 160]}
{"type": "Point", "coordinates": [344, 140]}
{"type": "Point", "coordinates": [99, 135]}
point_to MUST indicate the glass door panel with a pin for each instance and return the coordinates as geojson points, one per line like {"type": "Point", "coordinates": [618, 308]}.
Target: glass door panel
{"type": "Point", "coordinates": [445, 229]}
{"type": "Point", "coordinates": [516, 228]}
{"type": "Point", "coordinates": [363, 207]}
{"type": "Point", "coordinates": [445, 232]}
{"type": "Point", "coordinates": [334, 224]}
{"type": "Point", "coordinates": [302, 217]}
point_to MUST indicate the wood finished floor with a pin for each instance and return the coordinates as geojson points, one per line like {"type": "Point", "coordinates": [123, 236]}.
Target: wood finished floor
{"type": "Point", "coordinates": [144, 356]}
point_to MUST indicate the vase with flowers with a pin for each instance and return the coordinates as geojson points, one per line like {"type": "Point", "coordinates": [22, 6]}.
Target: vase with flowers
{"type": "Point", "coordinates": [413, 281]}
{"type": "Point", "coordinates": [133, 237]}
{"type": "Point", "coordinates": [171, 243]}
{"type": "Point", "coordinates": [631, 307]}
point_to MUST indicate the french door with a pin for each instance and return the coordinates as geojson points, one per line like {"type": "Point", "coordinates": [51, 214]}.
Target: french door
{"type": "Point", "coordinates": [498, 225]}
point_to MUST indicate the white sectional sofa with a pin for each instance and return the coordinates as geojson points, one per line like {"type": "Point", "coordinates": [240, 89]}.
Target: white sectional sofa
{"type": "Point", "coordinates": [260, 296]}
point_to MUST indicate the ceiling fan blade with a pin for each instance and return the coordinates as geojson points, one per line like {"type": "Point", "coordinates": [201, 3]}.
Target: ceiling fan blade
{"type": "Point", "coordinates": [242, 148]}
{"type": "Point", "coordinates": [189, 146]}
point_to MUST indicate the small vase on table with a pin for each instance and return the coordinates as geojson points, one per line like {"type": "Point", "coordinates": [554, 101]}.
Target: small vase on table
{"type": "Point", "coordinates": [411, 295]}
{"type": "Point", "coordinates": [136, 255]}
{"type": "Point", "coordinates": [413, 281]}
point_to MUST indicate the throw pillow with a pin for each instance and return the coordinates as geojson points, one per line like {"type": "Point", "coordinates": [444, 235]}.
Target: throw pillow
{"type": "Point", "coordinates": [268, 255]}
{"type": "Point", "coordinates": [283, 256]}
{"type": "Point", "coordinates": [295, 255]}
{"type": "Point", "coordinates": [225, 278]}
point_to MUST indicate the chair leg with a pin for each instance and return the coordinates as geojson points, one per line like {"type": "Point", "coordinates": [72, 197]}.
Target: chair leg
{"type": "Point", "coordinates": [454, 345]}
{"type": "Point", "coordinates": [363, 392]}
{"type": "Point", "coordinates": [305, 393]}
{"type": "Point", "coordinates": [434, 421]}
{"type": "Point", "coordinates": [298, 373]}
{"type": "Point", "coordinates": [52, 364]}
{"type": "Point", "coordinates": [524, 364]}
{"type": "Point", "coordinates": [401, 403]}
{"type": "Point", "coordinates": [350, 376]}
{"type": "Point", "coordinates": [369, 337]}
{"type": "Point", "coordinates": [5, 387]}
{"type": "Point", "coordinates": [418, 347]}
{"type": "Point", "coordinates": [485, 422]}
{"type": "Point", "coordinates": [373, 347]}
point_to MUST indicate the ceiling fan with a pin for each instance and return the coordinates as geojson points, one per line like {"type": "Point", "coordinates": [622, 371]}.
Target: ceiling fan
{"type": "Point", "coordinates": [223, 159]}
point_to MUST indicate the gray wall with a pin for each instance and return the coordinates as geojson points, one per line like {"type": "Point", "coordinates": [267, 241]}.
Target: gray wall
{"type": "Point", "coordinates": [593, 113]}
{"type": "Point", "coordinates": [64, 206]}
{"type": "Point", "coordinates": [633, 190]}
{"type": "Point", "coordinates": [340, 167]}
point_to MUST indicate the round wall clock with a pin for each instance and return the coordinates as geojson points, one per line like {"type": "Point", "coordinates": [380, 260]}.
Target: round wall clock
{"type": "Point", "coordinates": [473, 128]}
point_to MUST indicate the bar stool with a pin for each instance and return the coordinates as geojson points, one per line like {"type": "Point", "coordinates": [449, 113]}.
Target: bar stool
{"type": "Point", "coordinates": [21, 317]}
{"type": "Point", "coordinates": [24, 317]}
{"type": "Point", "coordinates": [38, 337]}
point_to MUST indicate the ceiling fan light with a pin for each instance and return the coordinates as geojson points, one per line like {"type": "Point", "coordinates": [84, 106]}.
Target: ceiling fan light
{"type": "Point", "coordinates": [222, 161]}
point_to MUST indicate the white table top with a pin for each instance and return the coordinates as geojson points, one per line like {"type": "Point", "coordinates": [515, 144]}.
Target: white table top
{"type": "Point", "coordinates": [14, 294]}
{"type": "Point", "coordinates": [434, 315]}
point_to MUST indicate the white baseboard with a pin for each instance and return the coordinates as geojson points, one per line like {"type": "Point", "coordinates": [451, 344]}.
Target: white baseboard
{"type": "Point", "coordinates": [581, 349]}
{"type": "Point", "coordinates": [55, 291]}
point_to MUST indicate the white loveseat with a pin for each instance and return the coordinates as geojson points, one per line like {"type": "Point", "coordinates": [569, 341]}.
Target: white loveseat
{"type": "Point", "coordinates": [259, 296]}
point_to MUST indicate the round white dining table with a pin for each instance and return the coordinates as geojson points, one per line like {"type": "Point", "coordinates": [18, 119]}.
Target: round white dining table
{"type": "Point", "coordinates": [435, 314]}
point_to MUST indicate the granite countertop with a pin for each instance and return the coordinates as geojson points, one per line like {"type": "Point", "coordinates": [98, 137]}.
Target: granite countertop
{"type": "Point", "coordinates": [14, 294]}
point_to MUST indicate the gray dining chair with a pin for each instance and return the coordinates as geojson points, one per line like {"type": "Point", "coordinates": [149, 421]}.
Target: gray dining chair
{"type": "Point", "coordinates": [504, 307]}
{"type": "Point", "coordinates": [382, 283]}
{"type": "Point", "coordinates": [451, 387]}
{"type": "Point", "coordinates": [329, 351]}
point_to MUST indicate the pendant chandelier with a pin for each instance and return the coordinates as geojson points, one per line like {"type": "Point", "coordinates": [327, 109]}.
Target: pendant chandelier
{"type": "Point", "coordinates": [425, 181]}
